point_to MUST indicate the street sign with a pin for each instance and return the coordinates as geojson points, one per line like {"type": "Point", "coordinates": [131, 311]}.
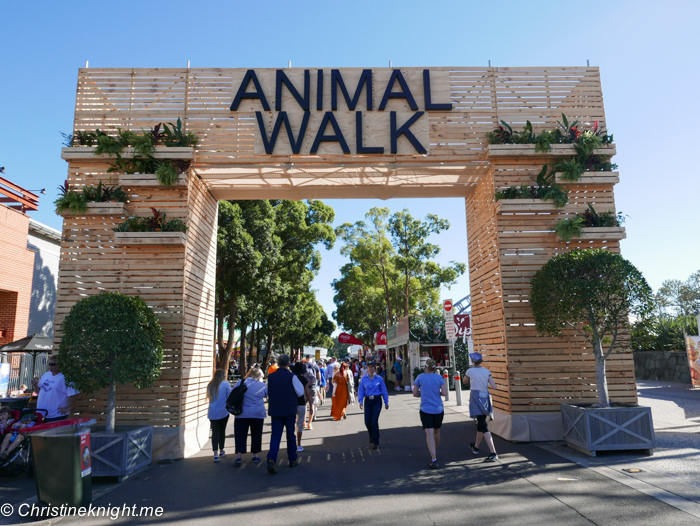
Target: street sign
{"type": "Point", "coordinates": [448, 312]}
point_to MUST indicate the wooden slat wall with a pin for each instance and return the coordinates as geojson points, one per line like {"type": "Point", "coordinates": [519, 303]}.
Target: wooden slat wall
{"type": "Point", "coordinates": [543, 372]}
{"type": "Point", "coordinates": [199, 289]}
{"type": "Point", "coordinates": [91, 263]}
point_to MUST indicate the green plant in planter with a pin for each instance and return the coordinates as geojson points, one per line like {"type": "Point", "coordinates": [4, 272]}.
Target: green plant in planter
{"type": "Point", "coordinates": [158, 222]}
{"type": "Point", "coordinates": [174, 135]}
{"type": "Point", "coordinates": [544, 188]}
{"type": "Point", "coordinates": [76, 202]}
{"type": "Point", "coordinates": [594, 292]}
{"type": "Point", "coordinates": [566, 229]}
{"type": "Point", "coordinates": [111, 339]}
{"type": "Point", "coordinates": [166, 173]}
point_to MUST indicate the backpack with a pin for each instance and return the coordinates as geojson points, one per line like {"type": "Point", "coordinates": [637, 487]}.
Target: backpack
{"type": "Point", "coordinates": [234, 402]}
{"type": "Point", "coordinates": [310, 375]}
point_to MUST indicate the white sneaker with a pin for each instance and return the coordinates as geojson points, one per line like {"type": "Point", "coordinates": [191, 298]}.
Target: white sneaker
{"type": "Point", "coordinates": [299, 449]}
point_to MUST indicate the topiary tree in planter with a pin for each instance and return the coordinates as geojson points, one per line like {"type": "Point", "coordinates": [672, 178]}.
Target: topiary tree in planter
{"type": "Point", "coordinates": [593, 292]}
{"type": "Point", "coordinates": [111, 339]}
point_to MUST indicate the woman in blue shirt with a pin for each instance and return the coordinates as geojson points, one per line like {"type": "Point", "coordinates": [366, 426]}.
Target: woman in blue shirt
{"type": "Point", "coordinates": [372, 390]}
{"type": "Point", "coordinates": [430, 388]}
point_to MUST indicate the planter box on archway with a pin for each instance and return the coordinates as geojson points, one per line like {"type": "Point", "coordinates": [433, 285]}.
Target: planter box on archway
{"type": "Point", "coordinates": [150, 238]}
{"type": "Point", "coordinates": [525, 205]}
{"type": "Point", "coordinates": [528, 150]}
{"type": "Point", "coordinates": [99, 209]}
{"type": "Point", "coordinates": [590, 178]}
{"type": "Point", "coordinates": [612, 233]}
{"type": "Point", "coordinates": [149, 180]}
{"type": "Point", "coordinates": [77, 153]}
{"type": "Point", "coordinates": [626, 427]}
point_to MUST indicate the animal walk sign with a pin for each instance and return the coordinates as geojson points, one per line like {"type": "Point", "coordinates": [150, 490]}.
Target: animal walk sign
{"type": "Point", "coordinates": [341, 111]}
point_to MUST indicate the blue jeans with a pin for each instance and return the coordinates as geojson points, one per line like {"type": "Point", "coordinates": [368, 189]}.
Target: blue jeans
{"type": "Point", "coordinates": [372, 410]}
{"type": "Point", "coordinates": [278, 424]}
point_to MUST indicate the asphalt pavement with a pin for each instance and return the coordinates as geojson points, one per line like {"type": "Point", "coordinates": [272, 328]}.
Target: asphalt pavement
{"type": "Point", "coordinates": [342, 480]}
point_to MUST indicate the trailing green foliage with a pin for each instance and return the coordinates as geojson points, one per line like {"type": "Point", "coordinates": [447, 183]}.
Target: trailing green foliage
{"type": "Point", "coordinates": [76, 202]}
{"type": "Point", "coordinates": [111, 339]}
{"type": "Point", "coordinates": [566, 229]}
{"type": "Point", "coordinates": [593, 292]}
{"type": "Point", "coordinates": [166, 173]}
{"type": "Point", "coordinates": [544, 188]}
{"type": "Point", "coordinates": [158, 222]}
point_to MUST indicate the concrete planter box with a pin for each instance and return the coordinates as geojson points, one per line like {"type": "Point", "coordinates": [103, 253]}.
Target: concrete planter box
{"type": "Point", "coordinates": [124, 453]}
{"type": "Point", "coordinates": [589, 429]}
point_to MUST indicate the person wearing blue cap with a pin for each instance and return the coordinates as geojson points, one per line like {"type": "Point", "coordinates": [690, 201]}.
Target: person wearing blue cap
{"type": "Point", "coordinates": [480, 403]}
{"type": "Point", "coordinates": [372, 390]}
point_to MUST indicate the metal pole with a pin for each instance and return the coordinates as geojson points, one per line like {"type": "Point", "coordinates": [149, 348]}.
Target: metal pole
{"type": "Point", "coordinates": [446, 377]}
{"type": "Point", "coordinates": [458, 387]}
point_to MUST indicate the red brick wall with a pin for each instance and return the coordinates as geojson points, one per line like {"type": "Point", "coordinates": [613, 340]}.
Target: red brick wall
{"type": "Point", "coordinates": [16, 271]}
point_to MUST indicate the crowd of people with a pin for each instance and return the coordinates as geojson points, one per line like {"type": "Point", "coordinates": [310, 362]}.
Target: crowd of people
{"type": "Point", "coordinates": [294, 391]}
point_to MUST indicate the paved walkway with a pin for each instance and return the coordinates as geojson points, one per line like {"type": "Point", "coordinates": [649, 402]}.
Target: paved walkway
{"type": "Point", "coordinates": [343, 481]}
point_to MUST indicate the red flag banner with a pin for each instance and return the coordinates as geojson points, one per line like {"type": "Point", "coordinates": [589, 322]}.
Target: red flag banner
{"type": "Point", "coordinates": [344, 337]}
{"type": "Point", "coordinates": [381, 338]}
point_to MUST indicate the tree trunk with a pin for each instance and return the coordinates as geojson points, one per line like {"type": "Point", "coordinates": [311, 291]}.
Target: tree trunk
{"type": "Point", "coordinates": [266, 362]}
{"type": "Point", "coordinates": [111, 407]}
{"type": "Point", "coordinates": [251, 351]}
{"type": "Point", "coordinates": [225, 352]}
{"type": "Point", "coordinates": [600, 376]}
{"type": "Point", "coordinates": [406, 295]}
{"type": "Point", "coordinates": [242, 358]}
{"type": "Point", "coordinates": [257, 345]}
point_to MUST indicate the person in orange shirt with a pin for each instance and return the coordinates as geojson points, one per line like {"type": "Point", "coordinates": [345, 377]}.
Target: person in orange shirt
{"type": "Point", "coordinates": [273, 366]}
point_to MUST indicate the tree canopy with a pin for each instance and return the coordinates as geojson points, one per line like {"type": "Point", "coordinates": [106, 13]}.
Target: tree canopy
{"type": "Point", "coordinates": [391, 272]}
{"type": "Point", "coordinates": [593, 292]}
{"type": "Point", "coordinates": [266, 261]}
{"type": "Point", "coordinates": [111, 339]}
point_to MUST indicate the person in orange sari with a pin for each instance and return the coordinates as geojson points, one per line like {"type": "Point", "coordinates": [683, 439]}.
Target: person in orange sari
{"type": "Point", "coordinates": [341, 380]}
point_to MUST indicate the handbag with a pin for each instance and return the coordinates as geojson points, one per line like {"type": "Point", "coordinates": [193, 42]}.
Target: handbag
{"type": "Point", "coordinates": [234, 402]}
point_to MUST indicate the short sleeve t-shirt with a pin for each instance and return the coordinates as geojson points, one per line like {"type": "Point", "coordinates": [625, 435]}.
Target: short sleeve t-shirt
{"type": "Point", "coordinates": [397, 368]}
{"type": "Point", "coordinates": [479, 378]}
{"type": "Point", "coordinates": [53, 393]}
{"type": "Point", "coordinates": [430, 398]}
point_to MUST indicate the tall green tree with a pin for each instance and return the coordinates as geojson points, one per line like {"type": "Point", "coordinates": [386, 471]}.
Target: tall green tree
{"type": "Point", "coordinates": [593, 292]}
{"type": "Point", "coordinates": [245, 239]}
{"type": "Point", "coordinates": [414, 255]}
{"type": "Point", "coordinates": [679, 298]}
{"type": "Point", "coordinates": [368, 247]}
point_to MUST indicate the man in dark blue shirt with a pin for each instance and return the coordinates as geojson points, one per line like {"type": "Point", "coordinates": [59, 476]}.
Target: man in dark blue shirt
{"type": "Point", "coordinates": [372, 390]}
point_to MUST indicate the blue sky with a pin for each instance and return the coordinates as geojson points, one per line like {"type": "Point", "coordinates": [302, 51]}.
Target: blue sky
{"type": "Point", "coordinates": [647, 52]}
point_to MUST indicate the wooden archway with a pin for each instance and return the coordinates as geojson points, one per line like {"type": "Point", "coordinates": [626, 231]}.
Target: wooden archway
{"type": "Point", "coordinates": [507, 242]}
